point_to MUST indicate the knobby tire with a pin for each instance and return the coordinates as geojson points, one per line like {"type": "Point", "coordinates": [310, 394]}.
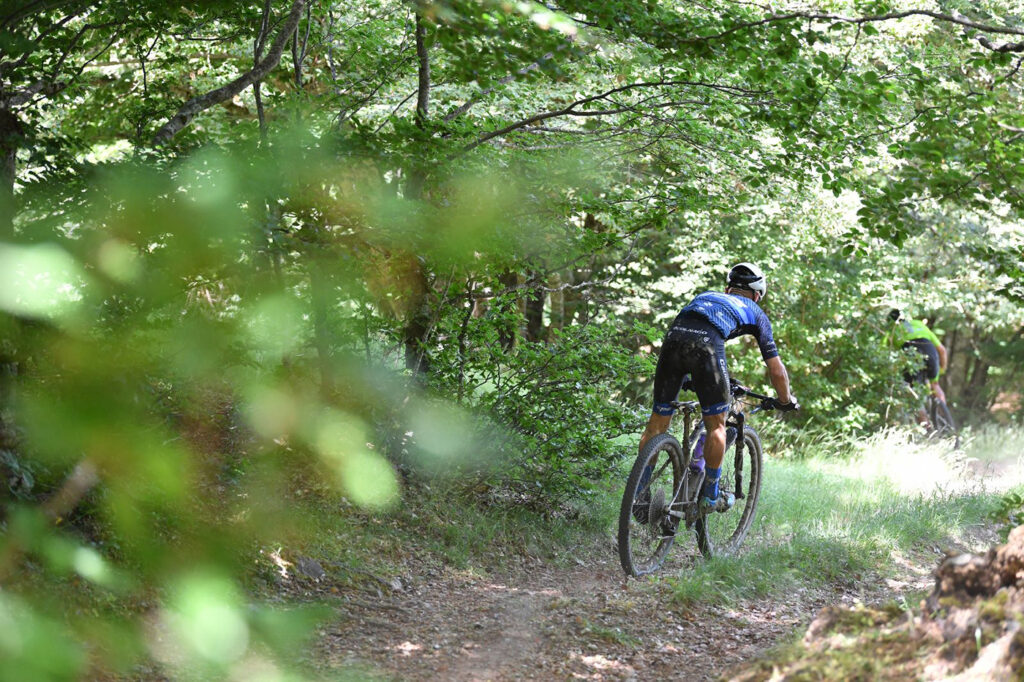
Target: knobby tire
{"type": "Point", "coordinates": [942, 420]}
{"type": "Point", "coordinates": [645, 533]}
{"type": "Point", "coordinates": [721, 534]}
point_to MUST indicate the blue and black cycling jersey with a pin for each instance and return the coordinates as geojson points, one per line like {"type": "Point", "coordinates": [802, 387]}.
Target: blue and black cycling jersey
{"type": "Point", "coordinates": [733, 316]}
{"type": "Point", "coordinates": [695, 346]}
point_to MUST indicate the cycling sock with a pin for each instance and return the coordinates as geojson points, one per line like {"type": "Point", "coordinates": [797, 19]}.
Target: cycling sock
{"type": "Point", "coordinates": [711, 482]}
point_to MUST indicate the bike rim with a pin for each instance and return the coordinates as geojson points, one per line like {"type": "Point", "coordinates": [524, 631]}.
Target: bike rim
{"type": "Point", "coordinates": [721, 533]}
{"type": "Point", "coordinates": [652, 528]}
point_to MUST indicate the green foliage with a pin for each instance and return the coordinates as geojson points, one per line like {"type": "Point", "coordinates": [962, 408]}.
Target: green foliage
{"type": "Point", "coordinates": [557, 400]}
{"type": "Point", "coordinates": [201, 326]}
{"type": "Point", "coordinates": [1009, 513]}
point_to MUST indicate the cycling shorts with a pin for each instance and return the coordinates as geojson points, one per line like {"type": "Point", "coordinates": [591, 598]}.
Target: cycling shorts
{"type": "Point", "coordinates": [930, 362]}
{"type": "Point", "coordinates": [692, 346]}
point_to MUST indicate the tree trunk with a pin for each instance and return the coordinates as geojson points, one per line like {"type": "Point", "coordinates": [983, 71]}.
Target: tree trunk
{"type": "Point", "coordinates": [257, 55]}
{"type": "Point", "coordinates": [423, 59]}
{"type": "Point", "coordinates": [975, 388]}
{"type": "Point", "coordinates": [417, 327]}
{"type": "Point", "coordinates": [463, 345]}
{"type": "Point", "coordinates": [418, 323]}
{"type": "Point", "coordinates": [952, 359]}
{"type": "Point", "coordinates": [557, 298]}
{"type": "Point", "coordinates": [10, 141]}
{"type": "Point", "coordinates": [535, 315]}
{"type": "Point", "coordinates": [508, 334]}
{"type": "Point", "coordinates": [320, 293]}
{"type": "Point", "coordinates": [414, 189]}
{"type": "Point", "coordinates": [576, 309]}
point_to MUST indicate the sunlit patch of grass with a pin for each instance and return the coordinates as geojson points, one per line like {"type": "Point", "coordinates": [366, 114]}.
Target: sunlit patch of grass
{"type": "Point", "coordinates": [843, 519]}
{"type": "Point", "coordinates": [996, 443]}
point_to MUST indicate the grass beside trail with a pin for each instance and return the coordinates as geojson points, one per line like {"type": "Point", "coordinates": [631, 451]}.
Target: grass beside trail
{"type": "Point", "coordinates": [856, 516]}
{"type": "Point", "coordinates": [840, 514]}
{"type": "Point", "coordinates": [845, 512]}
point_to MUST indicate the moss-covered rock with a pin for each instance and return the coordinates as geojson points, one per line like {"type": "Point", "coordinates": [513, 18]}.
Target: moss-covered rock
{"type": "Point", "coordinates": [971, 627]}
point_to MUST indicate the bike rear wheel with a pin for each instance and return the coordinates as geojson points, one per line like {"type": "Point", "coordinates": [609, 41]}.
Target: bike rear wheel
{"type": "Point", "coordinates": [721, 534]}
{"type": "Point", "coordinates": [654, 488]}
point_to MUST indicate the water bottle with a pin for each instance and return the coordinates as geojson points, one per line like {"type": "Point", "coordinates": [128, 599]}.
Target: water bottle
{"type": "Point", "coordinates": [697, 463]}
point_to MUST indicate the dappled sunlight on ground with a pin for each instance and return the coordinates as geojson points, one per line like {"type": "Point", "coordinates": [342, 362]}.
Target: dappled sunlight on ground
{"type": "Point", "coordinates": [407, 648]}
{"type": "Point", "coordinates": [911, 575]}
{"type": "Point", "coordinates": [914, 467]}
{"type": "Point", "coordinates": [602, 665]}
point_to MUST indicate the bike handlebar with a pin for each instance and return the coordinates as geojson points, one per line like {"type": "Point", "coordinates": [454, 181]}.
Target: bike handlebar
{"type": "Point", "coordinates": [738, 390]}
{"type": "Point", "coordinates": [767, 401]}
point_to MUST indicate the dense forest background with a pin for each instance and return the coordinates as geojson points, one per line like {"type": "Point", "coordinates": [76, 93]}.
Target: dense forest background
{"type": "Point", "coordinates": [380, 242]}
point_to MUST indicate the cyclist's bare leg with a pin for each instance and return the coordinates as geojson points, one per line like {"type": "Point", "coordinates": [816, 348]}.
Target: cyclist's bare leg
{"type": "Point", "coordinates": [938, 392]}
{"type": "Point", "coordinates": [714, 442]}
{"type": "Point", "coordinates": [655, 425]}
{"type": "Point", "coordinates": [922, 418]}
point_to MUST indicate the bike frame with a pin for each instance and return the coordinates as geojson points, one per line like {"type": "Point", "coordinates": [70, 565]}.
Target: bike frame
{"type": "Point", "coordinates": [737, 420]}
{"type": "Point", "coordinates": [648, 526]}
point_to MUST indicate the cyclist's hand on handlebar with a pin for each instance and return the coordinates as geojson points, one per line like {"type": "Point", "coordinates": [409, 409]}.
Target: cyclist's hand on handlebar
{"type": "Point", "coordinates": [787, 407]}
{"type": "Point", "coordinates": [776, 404]}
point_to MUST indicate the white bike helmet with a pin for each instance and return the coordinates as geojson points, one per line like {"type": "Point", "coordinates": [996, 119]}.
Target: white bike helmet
{"type": "Point", "coordinates": [748, 276]}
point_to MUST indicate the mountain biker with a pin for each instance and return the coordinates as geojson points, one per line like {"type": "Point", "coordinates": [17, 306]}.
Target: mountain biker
{"type": "Point", "coordinates": [911, 333]}
{"type": "Point", "coordinates": [695, 345]}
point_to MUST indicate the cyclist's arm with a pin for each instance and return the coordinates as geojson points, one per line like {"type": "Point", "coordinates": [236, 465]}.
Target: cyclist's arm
{"type": "Point", "coordinates": [780, 379]}
{"type": "Point", "coordinates": [942, 356]}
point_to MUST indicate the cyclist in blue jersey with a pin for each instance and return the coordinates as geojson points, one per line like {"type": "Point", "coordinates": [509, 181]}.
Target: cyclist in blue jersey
{"type": "Point", "coordinates": [695, 345]}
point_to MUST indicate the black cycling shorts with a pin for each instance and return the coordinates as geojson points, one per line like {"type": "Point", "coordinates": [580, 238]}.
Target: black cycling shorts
{"type": "Point", "coordinates": [930, 362]}
{"type": "Point", "coordinates": [692, 346]}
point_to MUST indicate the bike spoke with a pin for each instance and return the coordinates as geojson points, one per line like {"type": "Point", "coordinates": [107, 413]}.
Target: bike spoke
{"type": "Point", "coordinates": [721, 533]}
{"type": "Point", "coordinates": [647, 529]}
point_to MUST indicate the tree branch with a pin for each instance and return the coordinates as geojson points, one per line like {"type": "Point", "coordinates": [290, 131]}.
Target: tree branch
{"type": "Point", "coordinates": [938, 16]}
{"type": "Point", "coordinates": [36, 8]}
{"type": "Point", "coordinates": [571, 110]}
{"type": "Point", "coordinates": [483, 93]}
{"type": "Point", "coordinates": [27, 94]}
{"type": "Point", "coordinates": [202, 102]}
{"type": "Point", "coordinates": [1005, 47]}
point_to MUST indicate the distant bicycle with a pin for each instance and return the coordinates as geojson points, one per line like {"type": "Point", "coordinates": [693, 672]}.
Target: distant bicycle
{"type": "Point", "coordinates": [941, 419]}
{"type": "Point", "coordinates": [662, 490]}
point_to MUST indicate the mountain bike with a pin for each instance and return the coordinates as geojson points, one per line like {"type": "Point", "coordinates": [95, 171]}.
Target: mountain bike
{"type": "Point", "coordinates": [662, 491]}
{"type": "Point", "coordinates": [942, 424]}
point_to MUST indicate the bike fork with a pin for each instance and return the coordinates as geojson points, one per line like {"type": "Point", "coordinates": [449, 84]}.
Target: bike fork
{"type": "Point", "coordinates": [737, 423]}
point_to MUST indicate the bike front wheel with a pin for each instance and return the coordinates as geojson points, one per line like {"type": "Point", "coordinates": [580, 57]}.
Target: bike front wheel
{"type": "Point", "coordinates": [942, 420]}
{"type": "Point", "coordinates": [722, 533]}
{"type": "Point", "coordinates": [649, 515]}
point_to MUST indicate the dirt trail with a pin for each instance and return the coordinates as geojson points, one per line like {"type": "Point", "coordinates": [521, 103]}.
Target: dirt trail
{"type": "Point", "coordinates": [542, 622]}
{"type": "Point", "coordinates": [577, 619]}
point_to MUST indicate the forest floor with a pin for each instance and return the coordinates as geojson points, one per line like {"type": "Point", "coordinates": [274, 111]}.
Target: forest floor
{"type": "Point", "coordinates": [571, 614]}
{"type": "Point", "coordinates": [538, 621]}
{"type": "Point", "coordinates": [580, 619]}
